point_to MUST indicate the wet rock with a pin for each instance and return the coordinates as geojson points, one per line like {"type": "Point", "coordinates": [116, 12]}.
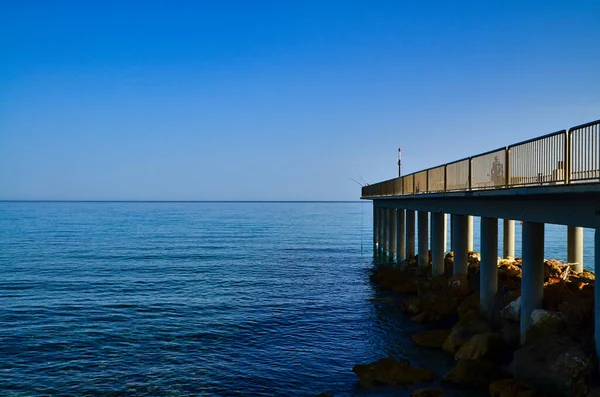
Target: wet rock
{"type": "Point", "coordinates": [556, 366]}
{"type": "Point", "coordinates": [411, 305]}
{"type": "Point", "coordinates": [391, 372]}
{"type": "Point", "coordinates": [431, 338]}
{"type": "Point", "coordinates": [469, 303]}
{"type": "Point", "coordinates": [487, 346]}
{"type": "Point", "coordinates": [442, 302]}
{"type": "Point", "coordinates": [512, 311]}
{"type": "Point", "coordinates": [545, 323]}
{"type": "Point", "coordinates": [461, 333]}
{"type": "Point", "coordinates": [459, 286]}
{"type": "Point", "coordinates": [428, 392]}
{"type": "Point", "coordinates": [474, 373]}
{"type": "Point", "coordinates": [426, 317]}
{"type": "Point", "coordinates": [507, 388]}
{"type": "Point", "coordinates": [511, 333]}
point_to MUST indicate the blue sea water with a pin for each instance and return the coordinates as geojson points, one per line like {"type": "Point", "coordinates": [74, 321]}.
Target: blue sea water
{"type": "Point", "coordinates": [202, 299]}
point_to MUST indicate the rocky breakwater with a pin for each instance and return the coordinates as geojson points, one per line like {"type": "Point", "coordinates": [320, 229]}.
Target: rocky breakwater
{"type": "Point", "coordinates": [558, 358]}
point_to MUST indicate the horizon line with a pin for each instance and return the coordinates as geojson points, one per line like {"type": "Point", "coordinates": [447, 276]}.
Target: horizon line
{"type": "Point", "coordinates": [180, 201]}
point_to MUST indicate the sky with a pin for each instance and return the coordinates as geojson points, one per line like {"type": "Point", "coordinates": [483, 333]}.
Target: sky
{"type": "Point", "coordinates": [277, 100]}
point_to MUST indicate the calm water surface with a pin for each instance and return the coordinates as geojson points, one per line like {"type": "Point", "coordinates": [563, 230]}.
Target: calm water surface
{"type": "Point", "coordinates": [206, 299]}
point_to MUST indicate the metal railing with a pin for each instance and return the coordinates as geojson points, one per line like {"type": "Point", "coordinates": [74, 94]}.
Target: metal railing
{"type": "Point", "coordinates": [562, 157]}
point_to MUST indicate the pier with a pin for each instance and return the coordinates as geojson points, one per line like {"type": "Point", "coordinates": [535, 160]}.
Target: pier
{"type": "Point", "coordinates": [553, 179]}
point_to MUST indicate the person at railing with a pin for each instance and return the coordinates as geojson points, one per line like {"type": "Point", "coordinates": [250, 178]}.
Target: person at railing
{"type": "Point", "coordinates": [497, 171]}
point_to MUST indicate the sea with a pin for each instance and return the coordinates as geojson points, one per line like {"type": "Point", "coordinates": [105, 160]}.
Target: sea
{"type": "Point", "coordinates": [200, 299]}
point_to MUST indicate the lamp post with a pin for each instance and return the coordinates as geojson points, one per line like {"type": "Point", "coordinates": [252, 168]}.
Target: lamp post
{"type": "Point", "coordinates": [399, 162]}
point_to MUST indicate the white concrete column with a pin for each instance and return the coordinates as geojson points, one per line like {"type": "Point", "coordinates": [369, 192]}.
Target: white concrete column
{"type": "Point", "coordinates": [400, 236]}
{"type": "Point", "coordinates": [445, 248]}
{"type": "Point", "coordinates": [375, 227]}
{"type": "Point", "coordinates": [380, 228]}
{"type": "Point", "coordinates": [423, 219]}
{"type": "Point", "coordinates": [393, 237]}
{"type": "Point", "coordinates": [488, 270]}
{"type": "Point", "coordinates": [509, 238]}
{"type": "Point", "coordinates": [461, 245]}
{"type": "Point", "coordinates": [575, 246]}
{"type": "Point", "coordinates": [470, 245]}
{"type": "Point", "coordinates": [451, 232]}
{"type": "Point", "coordinates": [410, 233]}
{"type": "Point", "coordinates": [386, 233]}
{"type": "Point", "coordinates": [437, 243]}
{"type": "Point", "coordinates": [532, 284]}
{"type": "Point", "coordinates": [597, 290]}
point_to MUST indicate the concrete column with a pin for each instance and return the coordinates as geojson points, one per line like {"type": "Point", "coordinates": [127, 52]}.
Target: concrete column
{"type": "Point", "coordinates": [375, 227]}
{"type": "Point", "coordinates": [410, 233]}
{"type": "Point", "coordinates": [575, 246]}
{"type": "Point", "coordinates": [597, 290]}
{"type": "Point", "coordinates": [445, 220]}
{"type": "Point", "coordinates": [423, 219]}
{"type": "Point", "coordinates": [451, 232]}
{"type": "Point", "coordinates": [470, 232]}
{"type": "Point", "coordinates": [386, 234]}
{"type": "Point", "coordinates": [532, 284]}
{"type": "Point", "coordinates": [400, 236]}
{"type": "Point", "coordinates": [461, 245]}
{"type": "Point", "coordinates": [509, 238]}
{"type": "Point", "coordinates": [488, 270]}
{"type": "Point", "coordinates": [393, 237]}
{"type": "Point", "coordinates": [380, 223]}
{"type": "Point", "coordinates": [437, 243]}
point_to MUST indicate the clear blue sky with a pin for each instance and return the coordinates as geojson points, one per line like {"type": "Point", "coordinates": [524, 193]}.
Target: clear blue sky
{"type": "Point", "coordinates": [277, 100]}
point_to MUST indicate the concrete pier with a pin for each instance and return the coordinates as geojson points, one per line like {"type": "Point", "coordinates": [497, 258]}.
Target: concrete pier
{"type": "Point", "coordinates": [451, 232]}
{"type": "Point", "coordinates": [532, 285]}
{"type": "Point", "coordinates": [575, 247]}
{"type": "Point", "coordinates": [488, 270]}
{"type": "Point", "coordinates": [386, 234]}
{"type": "Point", "coordinates": [400, 236]}
{"type": "Point", "coordinates": [445, 249]}
{"type": "Point", "coordinates": [508, 246]}
{"type": "Point", "coordinates": [423, 239]}
{"type": "Point", "coordinates": [597, 290]}
{"type": "Point", "coordinates": [461, 245]}
{"type": "Point", "coordinates": [470, 245]}
{"type": "Point", "coordinates": [393, 236]}
{"type": "Point", "coordinates": [438, 239]}
{"type": "Point", "coordinates": [410, 233]}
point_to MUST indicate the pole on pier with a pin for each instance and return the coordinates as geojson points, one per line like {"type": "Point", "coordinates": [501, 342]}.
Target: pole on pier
{"type": "Point", "coordinates": [423, 219]}
{"type": "Point", "coordinates": [470, 232]}
{"type": "Point", "coordinates": [461, 245]}
{"type": "Point", "coordinates": [532, 285]}
{"type": "Point", "coordinates": [393, 235]}
{"type": "Point", "coordinates": [400, 236]}
{"type": "Point", "coordinates": [437, 243]}
{"type": "Point", "coordinates": [488, 270]}
{"type": "Point", "coordinates": [410, 233]}
{"type": "Point", "coordinates": [575, 247]}
{"type": "Point", "coordinates": [509, 238]}
{"type": "Point", "coordinates": [597, 291]}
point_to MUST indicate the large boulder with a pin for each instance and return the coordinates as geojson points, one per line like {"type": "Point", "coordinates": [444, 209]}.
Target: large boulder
{"type": "Point", "coordinates": [459, 285]}
{"type": "Point", "coordinates": [512, 311]}
{"type": "Point", "coordinates": [462, 332]}
{"type": "Point", "coordinates": [431, 338]}
{"type": "Point", "coordinates": [556, 294]}
{"type": "Point", "coordinates": [507, 388]}
{"type": "Point", "coordinates": [556, 366]}
{"type": "Point", "coordinates": [443, 302]}
{"type": "Point", "coordinates": [487, 346]}
{"type": "Point", "coordinates": [474, 373]}
{"type": "Point", "coordinates": [390, 371]}
{"type": "Point", "coordinates": [545, 323]}
{"type": "Point", "coordinates": [511, 333]}
{"type": "Point", "coordinates": [411, 305]}
{"type": "Point", "coordinates": [428, 392]}
{"type": "Point", "coordinates": [471, 302]}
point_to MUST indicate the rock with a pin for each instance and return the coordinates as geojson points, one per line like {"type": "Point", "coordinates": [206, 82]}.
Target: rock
{"type": "Point", "coordinates": [511, 333]}
{"type": "Point", "coordinates": [391, 372]}
{"type": "Point", "coordinates": [428, 392]}
{"type": "Point", "coordinates": [411, 305]}
{"type": "Point", "coordinates": [461, 333]}
{"type": "Point", "coordinates": [474, 373]}
{"type": "Point", "coordinates": [431, 338]}
{"type": "Point", "coordinates": [487, 346]}
{"type": "Point", "coordinates": [469, 303]}
{"type": "Point", "coordinates": [555, 294]}
{"type": "Point", "coordinates": [556, 366]}
{"type": "Point", "coordinates": [459, 286]}
{"type": "Point", "coordinates": [426, 317]}
{"type": "Point", "coordinates": [553, 268]}
{"type": "Point", "coordinates": [512, 311]}
{"type": "Point", "coordinates": [507, 388]}
{"type": "Point", "coordinates": [509, 270]}
{"type": "Point", "coordinates": [442, 302]}
{"type": "Point", "coordinates": [544, 323]}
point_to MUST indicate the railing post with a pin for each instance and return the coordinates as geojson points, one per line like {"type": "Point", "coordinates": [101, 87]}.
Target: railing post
{"type": "Point", "coordinates": [445, 177]}
{"type": "Point", "coordinates": [567, 156]}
